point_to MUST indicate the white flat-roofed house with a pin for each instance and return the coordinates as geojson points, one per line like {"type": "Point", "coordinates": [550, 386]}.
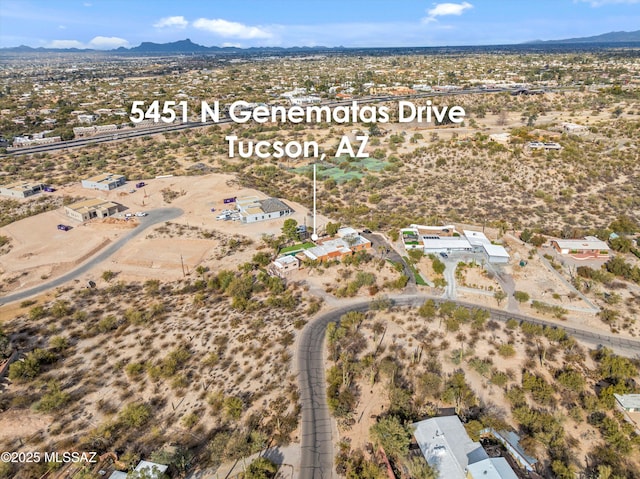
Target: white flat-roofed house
{"type": "Point", "coordinates": [104, 182]}
{"type": "Point", "coordinates": [574, 128]}
{"type": "Point", "coordinates": [496, 253]}
{"type": "Point", "coordinates": [589, 247]}
{"type": "Point", "coordinates": [628, 402]}
{"type": "Point", "coordinates": [447, 447]}
{"type": "Point", "coordinates": [436, 244]}
{"type": "Point", "coordinates": [21, 189]}
{"type": "Point", "coordinates": [284, 266]}
{"type": "Point", "coordinates": [491, 468]}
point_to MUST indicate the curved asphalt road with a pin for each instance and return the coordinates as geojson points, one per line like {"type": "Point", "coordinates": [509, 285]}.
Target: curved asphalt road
{"type": "Point", "coordinates": [317, 424]}
{"type": "Point", "coordinates": [155, 216]}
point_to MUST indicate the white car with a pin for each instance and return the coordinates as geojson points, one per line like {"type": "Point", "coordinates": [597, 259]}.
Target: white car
{"type": "Point", "coordinates": [128, 215]}
{"type": "Point", "coordinates": [141, 213]}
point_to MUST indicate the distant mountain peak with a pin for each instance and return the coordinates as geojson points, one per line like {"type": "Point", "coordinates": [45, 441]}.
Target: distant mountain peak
{"type": "Point", "coordinates": [611, 37]}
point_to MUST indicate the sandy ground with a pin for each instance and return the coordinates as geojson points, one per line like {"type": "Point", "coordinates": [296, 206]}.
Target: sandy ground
{"type": "Point", "coordinates": [32, 260]}
{"type": "Point", "coordinates": [18, 425]}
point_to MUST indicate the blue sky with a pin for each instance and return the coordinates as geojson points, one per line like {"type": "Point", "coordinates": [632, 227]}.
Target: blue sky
{"type": "Point", "coordinates": [105, 24]}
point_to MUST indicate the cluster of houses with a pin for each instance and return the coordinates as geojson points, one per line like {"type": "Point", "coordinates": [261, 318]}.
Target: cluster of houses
{"type": "Point", "coordinates": [346, 242]}
{"type": "Point", "coordinates": [446, 240]}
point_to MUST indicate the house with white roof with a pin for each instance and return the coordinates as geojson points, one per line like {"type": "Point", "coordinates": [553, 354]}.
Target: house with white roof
{"type": "Point", "coordinates": [447, 447]}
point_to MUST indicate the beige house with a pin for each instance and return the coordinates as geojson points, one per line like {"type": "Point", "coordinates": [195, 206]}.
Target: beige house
{"type": "Point", "coordinates": [94, 208]}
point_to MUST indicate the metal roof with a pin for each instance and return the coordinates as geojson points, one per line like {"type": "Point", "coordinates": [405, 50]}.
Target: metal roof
{"type": "Point", "coordinates": [445, 444]}
{"type": "Point", "coordinates": [492, 468]}
{"type": "Point", "coordinates": [628, 401]}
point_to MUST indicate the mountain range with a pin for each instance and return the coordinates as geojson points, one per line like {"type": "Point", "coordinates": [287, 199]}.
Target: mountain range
{"type": "Point", "coordinates": [611, 37]}
{"type": "Point", "coordinates": [188, 47]}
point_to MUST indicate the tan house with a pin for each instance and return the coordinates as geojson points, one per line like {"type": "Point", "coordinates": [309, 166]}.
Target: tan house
{"type": "Point", "coordinates": [94, 208]}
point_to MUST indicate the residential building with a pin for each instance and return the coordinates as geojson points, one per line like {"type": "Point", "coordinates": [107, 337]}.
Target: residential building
{"type": "Point", "coordinates": [104, 182]}
{"type": "Point", "coordinates": [253, 209]}
{"type": "Point", "coordinates": [284, 266]}
{"type": "Point", "coordinates": [574, 129]}
{"type": "Point", "coordinates": [447, 447]}
{"type": "Point", "coordinates": [21, 189]}
{"type": "Point", "coordinates": [539, 145]}
{"type": "Point", "coordinates": [589, 247]}
{"type": "Point", "coordinates": [93, 208]}
{"type": "Point", "coordinates": [445, 239]}
{"type": "Point", "coordinates": [481, 244]}
{"type": "Point", "coordinates": [346, 242]}
{"type": "Point", "coordinates": [354, 241]}
{"type": "Point", "coordinates": [628, 402]}
{"type": "Point", "coordinates": [511, 441]}
{"type": "Point", "coordinates": [87, 118]}
{"type": "Point", "coordinates": [24, 141]}
{"type": "Point", "coordinates": [147, 469]}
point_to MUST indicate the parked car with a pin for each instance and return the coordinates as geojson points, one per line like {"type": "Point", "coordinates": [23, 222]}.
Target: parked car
{"type": "Point", "coordinates": [140, 184]}
{"type": "Point", "coordinates": [141, 213]}
{"type": "Point", "coordinates": [49, 189]}
{"type": "Point", "coordinates": [444, 255]}
{"type": "Point", "coordinates": [64, 227]}
{"type": "Point", "coordinates": [366, 231]}
{"type": "Point", "coordinates": [128, 215]}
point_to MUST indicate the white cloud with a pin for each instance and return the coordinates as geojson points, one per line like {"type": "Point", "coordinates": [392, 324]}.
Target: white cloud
{"type": "Point", "coordinates": [225, 28]}
{"type": "Point", "coordinates": [65, 44]}
{"type": "Point", "coordinates": [231, 44]}
{"type": "Point", "coordinates": [87, 4]}
{"type": "Point", "coordinates": [600, 3]}
{"type": "Point", "coordinates": [107, 43]}
{"type": "Point", "coordinates": [177, 21]}
{"type": "Point", "coordinates": [443, 9]}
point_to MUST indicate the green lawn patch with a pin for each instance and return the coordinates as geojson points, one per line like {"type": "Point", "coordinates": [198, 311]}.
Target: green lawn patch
{"type": "Point", "coordinates": [416, 274]}
{"type": "Point", "coordinates": [297, 247]}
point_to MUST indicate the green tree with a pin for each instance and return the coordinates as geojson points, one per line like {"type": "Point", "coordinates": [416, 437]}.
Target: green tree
{"type": "Point", "coordinates": [521, 296]}
{"type": "Point", "coordinates": [420, 469]}
{"type": "Point", "coordinates": [393, 436]}
{"type": "Point", "coordinates": [261, 468]}
{"type": "Point", "coordinates": [134, 415]}
{"type": "Point", "coordinates": [289, 229]}
{"type": "Point", "coordinates": [332, 228]}
{"type": "Point", "coordinates": [500, 296]}
{"type": "Point", "coordinates": [233, 407]}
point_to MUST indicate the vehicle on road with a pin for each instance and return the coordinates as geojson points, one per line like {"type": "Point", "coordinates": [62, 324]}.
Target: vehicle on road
{"type": "Point", "coordinates": [366, 231]}
{"type": "Point", "coordinates": [141, 213]}
{"type": "Point", "coordinates": [140, 184]}
{"type": "Point", "coordinates": [443, 254]}
{"type": "Point", "coordinates": [64, 227]}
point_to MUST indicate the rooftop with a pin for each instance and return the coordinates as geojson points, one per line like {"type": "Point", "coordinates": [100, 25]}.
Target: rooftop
{"type": "Point", "coordinates": [21, 186]}
{"type": "Point", "coordinates": [91, 204]}
{"type": "Point", "coordinates": [476, 238]}
{"type": "Point", "coordinates": [105, 177]}
{"type": "Point", "coordinates": [589, 242]}
{"type": "Point", "coordinates": [273, 205]}
{"type": "Point", "coordinates": [492, 468]}
{"type": "Point", "coordinates": [445, 444]}
{"type": "Point", "coordinates": [628, 401]}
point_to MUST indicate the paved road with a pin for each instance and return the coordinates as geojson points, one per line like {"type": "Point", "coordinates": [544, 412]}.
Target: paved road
{"type": "Point", "coordinates": [317, 424]}
{"type": "Point", "coordinates": [155, 216]}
